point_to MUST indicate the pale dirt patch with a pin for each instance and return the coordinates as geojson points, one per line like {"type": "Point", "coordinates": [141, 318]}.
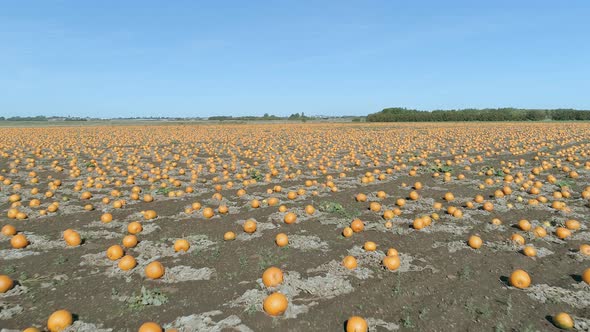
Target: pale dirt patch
{"type": "Point", "coordinates": [80, 326]}
{"type": "Point", "coordinates": [545, 293]}
{"type": "Point", "coordinates": [8, 254]}
{"type": "Point", "coordinates": [581, 323]}
{"type": "Point", "coordinates": [335, 267]}
{"type": "Point", "coordinates": [307, 242]}
{"type": "Point", "coordinates": [8, 311]}
{"type": "Point", "coordinates": [16, 290]}
{"type": "Point", "coordinates": [102, 234]}
{"type": "Point", "coordinates": [205, 322]}
{"type": "Point", "coordinates": [374, 323]}
{"type": "Point", "coordinates": [186, 273]}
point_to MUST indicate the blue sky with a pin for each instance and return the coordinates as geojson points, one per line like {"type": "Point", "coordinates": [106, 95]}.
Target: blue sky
{"type": "Point", "coordinates": [201, 58]}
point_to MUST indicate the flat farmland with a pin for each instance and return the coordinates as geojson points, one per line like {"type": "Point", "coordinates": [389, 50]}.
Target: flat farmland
{"type": "Point", "coordinates": [295, 227]}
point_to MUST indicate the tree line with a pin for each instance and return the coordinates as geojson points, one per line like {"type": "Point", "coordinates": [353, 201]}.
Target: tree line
{"type": "Point", "coordinates": [399, 114]}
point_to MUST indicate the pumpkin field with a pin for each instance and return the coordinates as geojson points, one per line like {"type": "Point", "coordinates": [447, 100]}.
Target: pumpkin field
{"type": "Point", "coordinates": [295, 227]}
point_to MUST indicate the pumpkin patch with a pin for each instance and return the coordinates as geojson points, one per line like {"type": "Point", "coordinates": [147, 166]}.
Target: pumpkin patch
{"type": "Point", "coordinates": [299, 226]}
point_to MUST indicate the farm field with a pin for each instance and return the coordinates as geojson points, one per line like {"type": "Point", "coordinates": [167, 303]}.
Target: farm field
{"type": "Point", "coordinates": [420, 226]}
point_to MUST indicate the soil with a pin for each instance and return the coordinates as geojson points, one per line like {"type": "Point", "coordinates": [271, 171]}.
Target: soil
{"type": "Point", "coordinates": [441, 285]}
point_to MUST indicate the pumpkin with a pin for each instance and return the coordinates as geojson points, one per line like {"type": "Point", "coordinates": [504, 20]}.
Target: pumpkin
{"type": "Point", "coordinates": [72, 238]}
{"type": "Point", "coordinates": [154, 270]}
{"type": "Point", "coordinates": [275, 304]}
{"type": "Point", "coordinates": [250, 226]}
{"type": "Point", "coordinates": [585, 249]}
{"type": "Point", "coordinates": [392, 252]}
{"type": "Point", "coordinates": [347, 232]}
{"type": "Point", "coordinates": [529, 251]}
{"type": "Point", "coordinates": [134, 227]}
{"type": "Point", "coordinates": [19, 241]}
{"type": "Point", "coordinates": [572, 224]}
{"type": "Point", "coordinates": [586, 276]}
{"type": "Point", "coordinates": [115, 252]}
{"type": "Point", "coordinates": [361, 197]}
{"type": "Point", "coordinates": [357, 225]}
{"type": "Point", "coordinates": [6, 283]}
{"type": "Point", "coordinates": [127, 262]}
{"type": "Point", "coordinates": [272, 277]}
{"type": "Point", "coordinates": [375, 207]}
{"type": "Point", "coordinates": [229, 236]}
{"type": "Point", "coordinates": [370, 246]}
{"type": "Point", "coordinates": [562, 233]}
{"type": "Point", "coordinates": [475, 242]}
{"type": "Point", "coordinates": [519, 279]}
{"type": "Point", "coordinates": [392, 263]}
{"type": "Point", "coordinates": [418, 223]}
{"type": "Point", "coordinates": [524, 225]}
{"type": "Point", "coordinates": [8, 230]}
{"type": "Point", "coordinates": [59, 320]}
{"type": "Point", "coordinates": [150, 327]}
{"type": "Point", "coordinates": [31, 329]}
{"type": "Point", "coordinates": [150, 214]}
{"type": "Point", "coordinates": [349, 262]}
{"type": "Point", "coordinates": [540, 232]}
{"type": "Point", "coordinates": [129, 241]}
{"type": "Point", "coordinates": [563, 321]}
{"type": "Point", "coordinates": [356, 324]}
{"type": "Point", "coordinates": [290, 218]}
{"type": "Point", "coordinates": [282, 239]}
{"type": "Point", "coordinates": [181, 245]}
{"type": "Point", "coordinates": [518, 239]}
{"type": "Point", "coordinates": [106, 218]}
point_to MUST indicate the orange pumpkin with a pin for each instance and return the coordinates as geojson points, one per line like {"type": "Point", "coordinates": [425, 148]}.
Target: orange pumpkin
{"type": "Point", "coordinates": [349, 262]}
{"type": "Point", "coordinates": [282, 239]}
{"type": "Point", "coordinates": [475, 242]}
{"type": "Point", "coordinates": [106, 218]}
{"type": "Point", "coordinates": [563, 321]}
{"type": "Point", "coordinates": [181, 245]}
{"type": "Point", "coordinates": [391, 262]}
{"type": "Point", "coordinates": [72, 238]}
{"type": "Point", "coordinates": [150, 327]}
{"type": "Point", "coordinates": [562, 233]}
{"type": "Point", "coordinates": [250, 226]}
{"type": "Point", "coordinates": [290, 218]}
{"type": "Point", "coordinates": [357, 225]}
{"type": "Point", "coordinates": [519, 279]}
{"type": "Point", "coordinates": [208, 212]}
{"type": "Point", "coordinates": [134, 227]}
{"type": "Point", "coordinates": [370, 246]}
{"type": "Point", "coordinates": [8, 230]}
{"type": "Point", "coordinates": [356, 324]}
{"type": "Point", "coordinates": [6, 283]}
{"type": "Point", "coordinates": [127, 262]}
{"type": "Point", "coordinates": [529, 251]}
{"type": "Point", "coordinates": [59, 320]}
{"type": "Point", "coordinates": [272, 277]}
{"type": "Point", "coordinates": [115, 252]}
{"type": "Point", "coordinates": [347, 232]}
{"type": "Point", "coordinates": [19, 241]}
{"type": "Point", "coordinates": [129, 241]}
{"type": "Point", "coordinates": [155, 270]}
{"type": "Point", "coordinates": [586, 276]}
{"type": "Point", "coordinates": [229, 236]}
{"type": "Point", "coordinates": [275, 304]}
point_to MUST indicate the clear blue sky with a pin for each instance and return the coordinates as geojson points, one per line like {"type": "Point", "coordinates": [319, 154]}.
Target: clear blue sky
{"type": "Point", "coordinates": [201, 58]}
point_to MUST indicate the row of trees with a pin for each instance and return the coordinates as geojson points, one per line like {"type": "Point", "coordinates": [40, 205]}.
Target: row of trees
{"type": "Point", "coordinates": [398, 114]}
